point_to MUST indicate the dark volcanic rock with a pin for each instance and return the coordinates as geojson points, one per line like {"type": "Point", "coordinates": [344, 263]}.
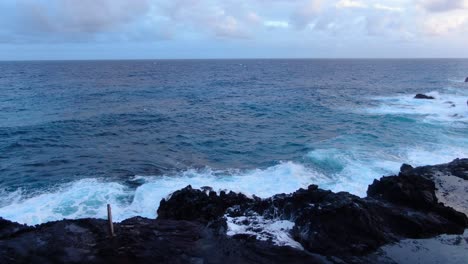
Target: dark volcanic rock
{"type": "Point", "coordinates": [423, 96]}
{"type": "Point", "coordinates": [407, 190]}
{"type": "Point", "coordinates": [458, 168]}
{"type": "Point", "coordinates": [191, 226]}
{"type": "Point", "coordinates": [342, 224]}
{"type": "Point", "coordinates": [8, 228]}
{"type": "Point", "coordinates": [139, 240]}
{"type": "Point", "coordinates": [205, 206]}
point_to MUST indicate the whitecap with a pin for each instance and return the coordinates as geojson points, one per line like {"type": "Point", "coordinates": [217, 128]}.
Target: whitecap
{"type": "Point", "coordinates": [88, 197]}
{"type": "Point", "coordinates": [448, 106]}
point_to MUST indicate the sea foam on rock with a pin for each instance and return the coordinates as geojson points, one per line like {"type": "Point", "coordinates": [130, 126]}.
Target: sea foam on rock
{"type": "Point", "coordinates": [202, 226]}
{"type": "Point", "coordinates": [397, 207]}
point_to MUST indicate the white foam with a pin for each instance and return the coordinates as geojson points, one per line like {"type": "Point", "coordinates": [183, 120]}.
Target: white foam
{"type": "Point", "coordinates": [10, 197]}
{"type": "Point", "coordinates": [350, 170]}
{"type": "Point", "coordinates": [433, 154]}
{"type": "Point", "coordinates": [276, 231]}
{"type": "Point", "coordinates": [355, 168]}
{"type": "Point", "coordinates": [84, 198]}
{"type": "Point", "coordinates": [448, 106]}
{"type": "Point", "coordinates": [88, 197]}
{"type": "Point", "coordinates": [457, 79]}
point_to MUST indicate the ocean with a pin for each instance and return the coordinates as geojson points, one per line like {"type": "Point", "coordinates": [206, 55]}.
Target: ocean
{"type": "Point", "coordinates": [76, 135]}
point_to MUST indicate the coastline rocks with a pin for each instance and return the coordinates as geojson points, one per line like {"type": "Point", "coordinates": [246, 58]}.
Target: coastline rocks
{"type": "Point", "coordinates": [451, 182]}
{"type": "Point", "coordinates": [466, 80]}
{"type": "Point", "coordinates": [345, 225]}
{"type": "Point", "coordinates": [197, 205]}
{"type": "Point", "coordinates": [457, 168]}
{"type": "Point", "coordinates": [423, 96]}
{"type": "Point", "coordinates": [193, 225]}
{"type": "Point", "coordinates": [8, 228]}
{"type": "Point", "coordinates": [341, 224]}
{"type": "Point", "coordinates": [140, 240]}
{"type": "Point", "coordinates": [408, 190]}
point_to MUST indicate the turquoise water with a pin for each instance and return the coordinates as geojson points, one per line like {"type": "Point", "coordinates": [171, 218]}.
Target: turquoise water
{"type": "Point", "coordinates": [75, 136]}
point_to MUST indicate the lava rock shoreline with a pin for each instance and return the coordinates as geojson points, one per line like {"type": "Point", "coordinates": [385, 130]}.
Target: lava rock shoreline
{"type": "Point", "coordinates": [193, 225]}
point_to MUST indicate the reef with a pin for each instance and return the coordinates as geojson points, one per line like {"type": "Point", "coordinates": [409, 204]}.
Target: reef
{"type": "Point", "coordinates": [308, 226]}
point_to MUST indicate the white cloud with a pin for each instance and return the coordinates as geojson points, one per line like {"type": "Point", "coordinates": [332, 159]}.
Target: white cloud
{"type": "Point", "coordinates": [276, 24]}
{"type": "Point", "coordinates": [388, 8]}
{"type": "Point", "coordinates": [228, 26]}
{"type": "Point", "coordinates": [139, 20]}
{"type": "Point", "coordinates": [350, 4]}
{"type": "Point", "coordinates": [253, 18]}
{"type": "Point", "coordinates": [447, 23]}
{"type": "Point", "coordinates": [443, 17]}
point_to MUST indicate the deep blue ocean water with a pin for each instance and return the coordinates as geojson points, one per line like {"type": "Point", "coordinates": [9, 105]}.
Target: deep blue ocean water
{"type": "Point", "coordinates": [77, 135]}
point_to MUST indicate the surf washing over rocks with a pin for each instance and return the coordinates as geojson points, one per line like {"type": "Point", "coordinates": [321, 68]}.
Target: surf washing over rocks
{"type": "Point", "coordinates": [147, 139]}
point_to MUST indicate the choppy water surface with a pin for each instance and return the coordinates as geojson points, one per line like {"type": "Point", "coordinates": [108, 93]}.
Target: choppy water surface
{"type": "Point", "coordinates": [77, 135]}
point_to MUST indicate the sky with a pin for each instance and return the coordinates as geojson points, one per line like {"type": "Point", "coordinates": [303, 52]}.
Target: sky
{"type": "Point", "coordinates": [193, 29]}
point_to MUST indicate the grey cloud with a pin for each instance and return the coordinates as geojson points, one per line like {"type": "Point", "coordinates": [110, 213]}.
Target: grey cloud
{"type": "Point", "coordinates": [226, 19]}
{"type": "Point", "coordinates": [75, 20]}
{"type": "Point", "coordinates": [81, 16]}
{"type": "Point", "coordinates": [441, 5]}
{"type": "Point", "coordinates": [306, 13]}
{"type": "Point", "coordinates": [139, 20]}
{"type": "Point", "coordinates": [149, 20]}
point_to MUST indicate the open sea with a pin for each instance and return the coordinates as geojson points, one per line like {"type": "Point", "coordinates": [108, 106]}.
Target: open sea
{"type": "Point", "coordinates": [76, 135]}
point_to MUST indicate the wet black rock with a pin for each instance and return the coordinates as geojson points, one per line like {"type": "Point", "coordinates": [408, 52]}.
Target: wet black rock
{"type": "Point", "coordinates": [466, 80]}
{"type": "Point", "coordinates": [192, 224]}
{"type": "Point", "coordinates": [407, 190]}
{"type": "Point", "coordinates": [423, 96]}
{"type": "Point", "coordinates": [458, 168]}
{"type": "Point", "coordinates": [341, 224]}
{"type": "Point", "coordinates": [8, 228]}
{"type": "Point", "coordinates": [200, 205]}
{"type": "Point", "coordinates": [140, 240]}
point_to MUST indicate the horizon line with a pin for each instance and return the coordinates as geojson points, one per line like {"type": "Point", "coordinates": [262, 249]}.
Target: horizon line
{"type": "Point", "coordinates": [194, 59]}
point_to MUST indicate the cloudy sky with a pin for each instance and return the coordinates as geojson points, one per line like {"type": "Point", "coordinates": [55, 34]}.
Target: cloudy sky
{"type": "Point", "coordinates": [151, 29]}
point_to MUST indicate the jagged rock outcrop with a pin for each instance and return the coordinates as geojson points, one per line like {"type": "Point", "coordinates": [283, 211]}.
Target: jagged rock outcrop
{"type": "Point", "coordinates": [193, 204]}
{"type": "Point", "coordinates": [423, 96]}
{"type": "Point", "coordinates": [192, 225]}
{"type": "Point", "coordinates": [8, 228]}
{"type": "Point", "coordinates": [342, 224]}
{"type": "Point", "coordinates": [458, 168]}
